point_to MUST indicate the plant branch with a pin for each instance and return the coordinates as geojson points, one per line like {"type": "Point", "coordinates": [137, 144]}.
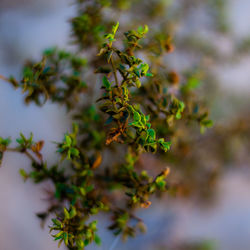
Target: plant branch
{"type": "Point", "coordinates": [114, 71]}
{"type": "Point", "coordinates": [17, 150]}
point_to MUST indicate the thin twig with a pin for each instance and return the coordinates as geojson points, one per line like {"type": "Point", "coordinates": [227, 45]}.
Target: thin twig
{"type": "Point", "coordinates": [4, 78]}
{"type": "Point", "coordinates": [114, 70]}
{"type": "Point", "coordinates": [23, 152]}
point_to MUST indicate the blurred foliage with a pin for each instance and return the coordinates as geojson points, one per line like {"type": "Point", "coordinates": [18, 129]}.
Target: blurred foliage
{"type": "Point", "coordinates": [132, 114]}
{"type": "Point", "coordinates": [197, 245]}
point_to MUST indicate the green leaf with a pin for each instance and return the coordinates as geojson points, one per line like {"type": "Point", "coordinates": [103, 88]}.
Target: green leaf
{"type": "Point", "coordinates": [66, 214]}
{"type": "Point", "coordinates": [68, 140]}
{"type": "Point", "coordinates": [151, 133]}
{"type": "Point", "coordinates": [5, 142]}
{"type": "Point", "coordinates": [136, 71]}
{"type": "Point", "coordinates": [193, 83]}
{"type": "Point", "coordinates": [149, 74]}
{"type": "Point", "coordinates": [86, 242]}
{"type": "Point", "coordinates": [164, 145]}
{"type": "Point", "coordinates": [66, 238]}
{"type": "Point", "coordinates": [72, 212]}
{"type": "Point", "coordinates": [138, 83]}
{"type": "Point", "coordinates": [207, 123]}
{"type": "Point", "coordinates": [161, 183]}
{"type": "Point", "coordinates": [56, 222]}
{"type": "Point", "coordinates": [59, 235]}
{"type": "Point", "coordinates": [142, 30]}
{"type": "Point", "coordinates": [93, 224]}
{"type": "Point", "coordinates": [20, 141]}
{"type": "Point", "coordinates": [181, 106]}
{"type": "Point", "coordinates": [89, 188]}
{"type": "Point", "coordinates": [106, 83]}
{"type": "Point", "coordinates": [49, 51]}
{"type": "Point", "coordinates": [97, 240]}
{"type": "Point", "coordinates": [23, 174]}
{"type": "Point", "coordinates": [136, 117]}
{"type": "Point", "coordinates": [80, 243]}
{"type": "Point", "coordinates": [115, 28]}
{"type": "Point", "coordinates": [178, 115]}
{"type": "Point", "coordinates": [145, 29]}
{"type": "Point", "coordinates": [82, 191]}
{"type": "Point", "coordinates": [74, 152]}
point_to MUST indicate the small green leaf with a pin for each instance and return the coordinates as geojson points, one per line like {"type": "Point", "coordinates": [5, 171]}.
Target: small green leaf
{"type": "Point", "coordinates": [106, 83]}
{"type": "Point", "coordinates": [80, 243]}
{"type": "Point", "coordinates": [66, 238]}
{"type": "Point", "coordinates": [82, 191]}
{"type": "Point", "coordinates": [5, 142]}
{"type": "Point", "coordinates": [149, 74]}
{"type": "Point", "coordinates": [58, 236]}
{"type": "Point", "coordinates": [23, 174]}
{"type": "Point", "coordinates": [72, 212]}
{"type": "Point", "coordinates": [57, 222]}
{"type": "Point", "coordinates": [86, 242]}
{"type": "Point", "coordinates": [136, 117]}
{"type": "Point", "coordinates": [178, 115]}
{"type": "Point", "coordinates": [74, 152]}
{"type": "Point", "coordinates": [138, 83]}
{"type": "Point", "coordinates": [115, 28]}
{"type": "Point", "coordinates": [66, 214]}
{"type": "Point", "coordinates": [164, 145]}
{"type": "Point", "coordinates": [98, 240]}
{"type": "Point", "coordinates": [151, 133]}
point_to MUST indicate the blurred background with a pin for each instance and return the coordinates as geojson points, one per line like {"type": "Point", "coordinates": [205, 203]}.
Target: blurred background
{"type": "Point", "coordinates": [29, 26]}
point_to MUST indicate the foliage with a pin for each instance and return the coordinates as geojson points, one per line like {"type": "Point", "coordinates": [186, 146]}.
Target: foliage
{"type": "Point", "coordinates": [126, 104]}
